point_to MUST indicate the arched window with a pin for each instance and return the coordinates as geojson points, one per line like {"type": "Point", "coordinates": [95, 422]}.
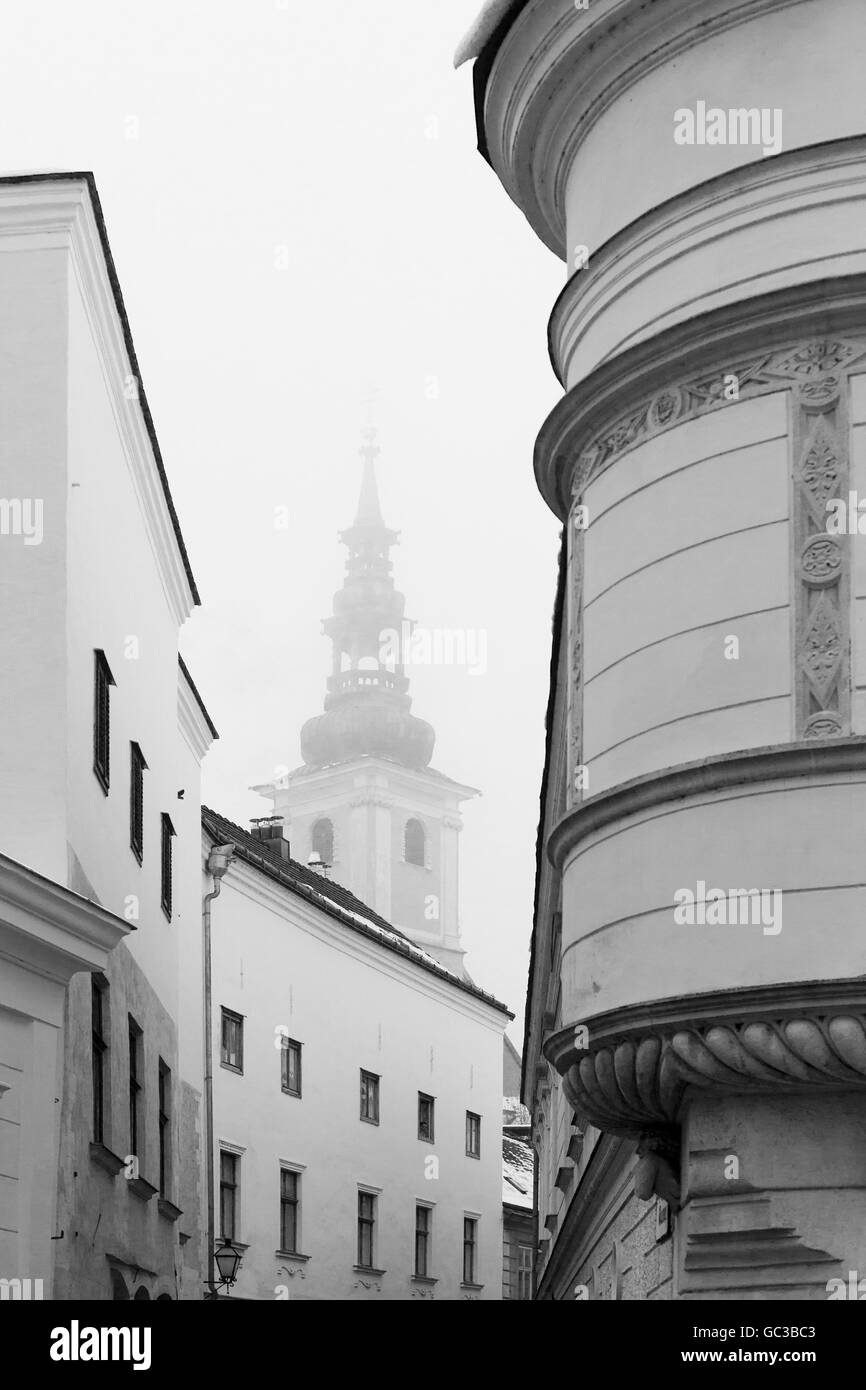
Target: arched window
{"type": "Point", "coordinates": [323, 840]}
{"type": "Point", "coordinates": [414, 843]}
{"type": "Point", "coordinates": [141, 1295]}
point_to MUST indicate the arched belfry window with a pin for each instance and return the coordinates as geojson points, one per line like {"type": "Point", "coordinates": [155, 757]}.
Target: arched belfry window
{"type": "Point", "coordinates": [323, 840]}
{"type": "Point", "coordinates": [415, 843]}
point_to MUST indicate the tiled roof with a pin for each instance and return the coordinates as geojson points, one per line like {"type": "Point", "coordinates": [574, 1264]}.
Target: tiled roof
{"type": "Point", "coordinates": [517, 1173]}
{"type": "Point", "coordinates": [332, 898]}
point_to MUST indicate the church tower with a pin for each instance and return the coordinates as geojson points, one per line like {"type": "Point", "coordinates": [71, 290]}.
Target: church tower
{"type": "Point", "coordinates": [366, 800]}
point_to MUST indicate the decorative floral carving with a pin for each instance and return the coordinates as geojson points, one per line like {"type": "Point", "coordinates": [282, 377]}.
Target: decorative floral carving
{"type": "Point", "coordinates": [665, 408]}
{"type": "Point", "coordinates": [825, 724]}
{"type": "Point", "coordinates": [816, 358]}
{"type": "Point", "coordinates": [819, 471]}
{"type": "Point", "coordinates": [820, 560]}
{"type": "Point", "coordinates": [822, 647]}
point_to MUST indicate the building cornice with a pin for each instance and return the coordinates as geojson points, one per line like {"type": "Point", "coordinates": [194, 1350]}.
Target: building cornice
{"type": "Point", "coordinates": [553, 70]}
{"type": "Point", "coordinates": [51, 930]}
{"type": "Point", "coordinates": [63, 211]}
{"type": "Point", "coordinates": [789, 762]}
{"type": "Point", "coordinates": [765, 199]}
{"type": "Point", "coordinates": [627, 1071]}
{"type": "Point", "coordinates": [681, 372]}
{"type": "Point", "coordinates": [194, 722]}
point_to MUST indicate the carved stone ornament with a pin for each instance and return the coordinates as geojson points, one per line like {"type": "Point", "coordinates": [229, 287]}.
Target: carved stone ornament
{"type": "Point", "coordinates": [634, 1077]}
{"type": "Point", "coordinates": [816, 372]}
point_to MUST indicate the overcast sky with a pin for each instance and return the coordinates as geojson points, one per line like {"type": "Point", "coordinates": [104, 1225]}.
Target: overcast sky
{"type": "Point", "coordinates": [297, 212]}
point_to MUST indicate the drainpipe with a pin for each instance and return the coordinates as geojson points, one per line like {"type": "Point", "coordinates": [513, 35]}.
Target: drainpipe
{"type": "Point", "coordinates": [218, 862]}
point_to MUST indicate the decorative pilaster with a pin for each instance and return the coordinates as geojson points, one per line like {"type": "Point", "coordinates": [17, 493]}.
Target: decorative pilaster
{"type": "Point", "coordinates": [822, 578]}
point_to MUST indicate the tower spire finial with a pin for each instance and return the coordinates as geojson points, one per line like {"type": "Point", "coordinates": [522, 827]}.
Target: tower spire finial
{"type": "Point", "coordinates": [369, 512]}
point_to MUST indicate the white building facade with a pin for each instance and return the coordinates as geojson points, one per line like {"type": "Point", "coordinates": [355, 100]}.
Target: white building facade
{"type": "Point", "coordinates": [101, 739]}
{"type": "Point", "coordinates": [357, 1095]}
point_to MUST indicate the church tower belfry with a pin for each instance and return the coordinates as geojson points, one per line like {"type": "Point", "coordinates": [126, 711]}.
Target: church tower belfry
{"type": "Point", "coordinates": [366, 799]}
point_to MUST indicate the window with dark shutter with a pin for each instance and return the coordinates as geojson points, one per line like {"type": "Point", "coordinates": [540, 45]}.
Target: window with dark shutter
{"type": "Point", "coordinates": [99, 1055]}
{"type": "Point", "coordinates": [164, 1128]}
{"type": "Point", "coordinates": [102, 682]}
{"type": "Point", "coordinates": [137, 767]}
{"type": "Point", "coordinates": [167, 837]}
{"type": "Point", "coordinates": [135, 1048]}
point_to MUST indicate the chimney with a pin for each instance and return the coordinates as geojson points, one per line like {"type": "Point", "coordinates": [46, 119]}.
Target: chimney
{"type": "Point", "coordinates": [317, 865]}
{"type": "Point", "coordinates": [268, 830]}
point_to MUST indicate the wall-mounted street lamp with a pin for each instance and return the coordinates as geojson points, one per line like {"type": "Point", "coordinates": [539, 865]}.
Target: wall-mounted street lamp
{"type": "Point", "coordinates": [228, 1261]}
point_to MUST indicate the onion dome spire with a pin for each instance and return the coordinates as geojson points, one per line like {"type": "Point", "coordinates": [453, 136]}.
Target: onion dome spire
{"type": "Point", "coordinates": [367, 705]}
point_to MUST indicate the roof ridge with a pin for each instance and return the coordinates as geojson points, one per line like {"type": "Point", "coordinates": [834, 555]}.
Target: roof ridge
{"type": "Point", "coordinates": [297, 878]}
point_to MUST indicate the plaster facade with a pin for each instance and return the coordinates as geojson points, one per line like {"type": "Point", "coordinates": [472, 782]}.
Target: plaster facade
{"type": "Point", "coordinates": [697, 1086]}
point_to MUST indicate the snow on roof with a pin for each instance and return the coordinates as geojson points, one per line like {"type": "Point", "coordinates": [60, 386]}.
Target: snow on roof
{"type": "Point", "coordinates": [483, 29]}
{"type": "Point", "coordinates": [517, 1173]}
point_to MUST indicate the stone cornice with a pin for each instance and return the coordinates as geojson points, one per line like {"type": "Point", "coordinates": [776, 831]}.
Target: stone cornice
{"type": "Point", "coordinates": [51, 930]}
{"type": "Point", "coordinates": [558, 68]}
{"type": "Point", "coordinates": [680, 372]}
{"type": "Point", "coordinates": [63, 211]}
{"type": "Point", "coordinates": [627, 1071]}
{"type": "Point", "coordinates": [782, 762]}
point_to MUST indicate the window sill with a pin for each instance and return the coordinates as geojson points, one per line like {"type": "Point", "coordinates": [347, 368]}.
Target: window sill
{"type": "Point", "coordinates": [168, 1209]}
{"type": "Point", "coordinates": [142, 1189]}
{"type": "Point", "coordinates": [137, 854]}
{"type": "Point", "coordinates": [422, 1279]}
{"type": "Point", "coordinates": [103, 1156]}
{"type": "Point", "coordinates": [426, 1139]}
{"type": "Point", "coordinates": [102, 779]}
{"type": "Point", "coordinates": [296, 1095]}
{"type": "Point", "coordinates": [469, 1155]}
{"type": "Point", "coordinates": [474, 1287]}
{"type": "Point", "coordinates": [292, 1255]}
{"type": "Point", "coordinates": [367, 1269]}
{"type": "Point", "coordinates": [227, 1066]}
{"type": "Point", "coordinates": [366, 1121]}
{"type": "Point", "coordinates": [237, 1244]}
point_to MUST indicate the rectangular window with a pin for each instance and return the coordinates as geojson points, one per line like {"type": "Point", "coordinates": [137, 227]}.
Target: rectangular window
{"type": "Point", "coordinates": [229, 1194]}
{"type": "Point", "coordinates": [370, 1097]}
{"type": "Point", "coordinates": [470, 1249]}
{"type": "Point", "coordinates": [524, 1271]}
{"type": "Point", "coordinates": [102, 682]}
{"type": "Point", "coordinates": [135, 1050]}
{"type": "Point", "coordinates": [164, 1128]}
{"type": "Point", "coordinates": [473, 1134]}
{"type": "Point", "coordinates": [366, 1228]}
{"type": "Point", "coordinates": [99, 1027]}
{"type": "Point", "coordinates": [137, 766]}
{"type": "Point", "coordinates": [425, 1117]}
{"type": "Point", "coordinates": [232, 1055]}
{"type": "Point", "coordinates": [291, 1067]}
{"type": "Point", "coordinates": [422, 1241]}
{"type": "Point", "coordinates": [167, 837]}
{"type": "Point", "coordinates": [290, 1198]}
